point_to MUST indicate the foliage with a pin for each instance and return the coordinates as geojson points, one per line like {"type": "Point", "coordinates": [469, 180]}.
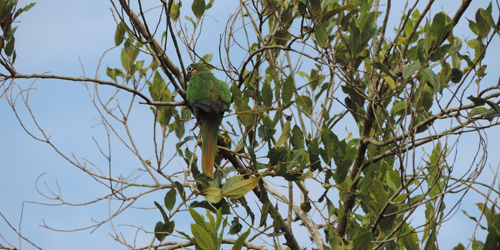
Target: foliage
{"type": "Point", "coordinates": [297, 70]}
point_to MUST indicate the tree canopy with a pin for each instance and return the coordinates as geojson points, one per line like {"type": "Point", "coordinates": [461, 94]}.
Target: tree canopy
{"type": "Point", "coordinates": [346, 123]}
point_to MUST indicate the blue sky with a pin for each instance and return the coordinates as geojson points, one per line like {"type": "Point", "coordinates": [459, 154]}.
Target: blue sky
{"type": "Point", "coordinates": [54, 37]}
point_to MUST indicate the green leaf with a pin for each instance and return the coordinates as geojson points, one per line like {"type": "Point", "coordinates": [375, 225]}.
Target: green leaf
{"type": "Point", "coordinates": [477, 100]}
{"type": "Point", "coordinates": [120, 33]}
{"type": "Point", "coordinates": [438, 23]}
{"type": "Point", "coordinates": [180, 190]}
{"type": "Point", "coordinates": [239, 242]}
{"type": "Point", "coordinates": [163, 214]}
{"type": "Point", "coordinates": [398, 109]}
{"type": "Point", "coordinates": [313, 149]}
{"type": "Point", "coordinates": [207, 58]}
{"type": "Point", "coordinates": [235, 226]}
{"type": "Point", "coordinates": [409, 70]}
{"type": "Point", "coordinates": [159, 233]}
{"type": "Point", "coordinates": [264, 213]}
{"type": "Point", "coordinates": [202, 237]}
{"type": "Point", "coordinates": [321, 34]}
{"type": "Point", "coordinates": [393, 179]}
{"type": "Point", "coordinates": [9, 48]}
{"type": "Point", "coordinates": [267, 94]}
{"type": "Point", "coordinates": [362, 240]}
{"type": "Point", "coordinates": [198, 218]}
{"type": "Point", "coordinates": [111, 73]}
{"type": "Point", "coordinates": [482, 24]}
{"type": "Point", "coordinates": [198, 8]}
{"type": "Point", "coordinates": [288, 88]}
{"type": "Point", "coordinates": [212, 194]}
{"type": "Point", "coordinates": [23, 9]}
{"type": "Point", "coordinates": [384, 69]}
{"type": "Point", "coordinates": [174, 10]}
{"type": "Point", "coordinates": [170, 199]}
{"type": "Point", "coordinates": [410, 240]}
{"type": "Point", "coordinates": [297, 139]}
{"type": "Point", "coordinates": [285, 134]}
{"type": "Point", "coordinates": [432, 79]}
{"type": "Point", "coordinates": [305, 104]}
{"type": "Point", "coordinates": [456, 75]}
{"type": "Point", "coordinates": [486, 14]}
{"type": "Point", "coordinates": [169, 227]}
{"type": "Point", "coordinates": [329, 139]}
{"type": "Point", "coordinates": [493, 237]}
{"type": "Point", "coordinates": [239, 188]}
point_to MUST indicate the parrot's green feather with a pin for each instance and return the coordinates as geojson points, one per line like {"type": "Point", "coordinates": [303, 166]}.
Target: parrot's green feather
{"type": "Point", "coordinates": [210, 98]}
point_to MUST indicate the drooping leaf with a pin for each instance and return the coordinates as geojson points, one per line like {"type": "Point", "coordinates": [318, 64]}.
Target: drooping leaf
{"type": "Point", "coordinates": [170, 199]}
{"type": "Point", "coordinates": [198, 8]}
{"type": "Point", "coordinates": [120, 33]}
{"type": "Point", "coordinates": [267, 94]}
{"type": "Point", "coordinates": [297, 139]}
{"type": "Point", "coordinates": [163, 214]}
{"type": "Point", "coordinates": [287, 92]}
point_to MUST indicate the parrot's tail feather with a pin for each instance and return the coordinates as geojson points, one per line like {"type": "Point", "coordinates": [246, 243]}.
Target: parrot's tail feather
{"type": "Point", "coordinates": [210, 130]}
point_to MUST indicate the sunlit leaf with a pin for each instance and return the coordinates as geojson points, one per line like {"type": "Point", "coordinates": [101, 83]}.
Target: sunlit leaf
{"type": "Point", "coordinates": [212, 194]}
{"type": "Point", "coordinates": [239, 188]}
{"type": "Point", "coordinates": [202, 237]}
{"type": "Point", "coordinates": [175, 10]}
{"type": "Point", "coordinates": [239, 242]}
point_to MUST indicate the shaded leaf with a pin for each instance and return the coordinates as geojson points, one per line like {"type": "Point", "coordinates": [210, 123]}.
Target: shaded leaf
{"type": "Point", "coordinates": [285, 134]}
{"type": "Point", "coordinates": [159, 233]}
{"type": "Point", "coordinates": [170, 199]}
{"type": "Point", "coordinates": [297, 139]}
{"type": "Point", "coordinates": [235, 226]}
{"type": "Point", "coordinates": [163, 214]}
{"type": "Point", "coordinates": [287, 93]}
{"type": "Point", "coordinates": [198, 8]}
{"type": "Point", "coordinates": [432, 79]}
{"type": "Point", "coordinates": [120, 33]}
{"type": "Point", "coordinates": [267, 94]}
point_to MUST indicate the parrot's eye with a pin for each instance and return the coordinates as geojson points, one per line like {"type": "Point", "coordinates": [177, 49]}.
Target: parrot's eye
{"type": "Point", "coordinates": [189, 68]}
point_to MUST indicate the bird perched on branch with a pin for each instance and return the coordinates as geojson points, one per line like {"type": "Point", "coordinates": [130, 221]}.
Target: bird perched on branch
{"type": "Point", "coordinates": [210, 98]}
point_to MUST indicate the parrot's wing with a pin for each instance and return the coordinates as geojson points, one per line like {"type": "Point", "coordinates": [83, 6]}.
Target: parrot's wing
{"type": "Point", "coordinates": [203, 107]}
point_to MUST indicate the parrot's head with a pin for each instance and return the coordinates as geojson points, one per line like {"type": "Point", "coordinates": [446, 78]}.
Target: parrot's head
{"type": "Point", "coordinates": [196, 68]}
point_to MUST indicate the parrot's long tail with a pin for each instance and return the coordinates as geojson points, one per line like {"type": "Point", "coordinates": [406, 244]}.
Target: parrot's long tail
{"type": "Point", "coordinates": [210, 129]}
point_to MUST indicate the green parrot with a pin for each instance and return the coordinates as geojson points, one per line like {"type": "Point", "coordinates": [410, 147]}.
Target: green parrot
{"type": "Point", "coordinates": [210, 98]}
